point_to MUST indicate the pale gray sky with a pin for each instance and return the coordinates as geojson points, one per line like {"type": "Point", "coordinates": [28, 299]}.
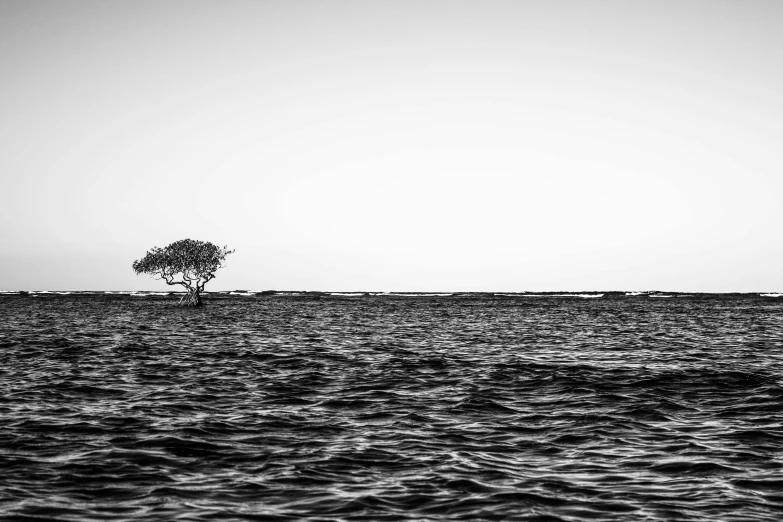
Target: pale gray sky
{"type": "Point", "coordinates": [395, 145]}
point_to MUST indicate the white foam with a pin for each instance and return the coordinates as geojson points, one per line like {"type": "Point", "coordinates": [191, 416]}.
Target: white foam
{"type": "Point", "coordinates": [346, 293]}
{"type": "Point", "coordinates": [422, 295]}
{"type": "Point", "coordinates": [241, 293]}
{"type": "Point", "coordinates": [660, 295]}
{"type": "Point", "coordinates": [583, 296]}
{"type": "Point", "coordinates": [771, 295]}
{"type": "Point", "coordinates": [635, 293]}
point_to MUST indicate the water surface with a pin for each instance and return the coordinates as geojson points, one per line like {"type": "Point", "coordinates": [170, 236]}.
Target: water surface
{"type": "Point", "coordinates": [382, 407]}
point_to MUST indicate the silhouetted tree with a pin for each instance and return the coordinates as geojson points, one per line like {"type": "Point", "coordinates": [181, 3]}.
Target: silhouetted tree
{"type": "Point", "coordinates": [186, 262]}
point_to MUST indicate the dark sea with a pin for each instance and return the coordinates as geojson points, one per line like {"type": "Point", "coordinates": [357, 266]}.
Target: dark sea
{"type": "Point", "coordinates": [391, 407]}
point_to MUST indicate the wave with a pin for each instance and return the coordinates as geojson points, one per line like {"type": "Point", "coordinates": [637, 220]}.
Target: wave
{"type": "Point", "coordinates": [771, 295]}
{"type": "Point", "coordinates": [419, 295]}
{"type": "Point", "coordinates": [395, 410]}
{"type": "Point", "coordinates": [635, 293]}
{"type": "Point", "coordinates": [346, 294]}
{"type": "Point", "coordinates": [660, 295]}
{"type": "Point", "coordinates": [583, 296]}
{"type": "Point", "coordinates": [399, 294]}
{"type": "Point", "coordinates": [42, 292]}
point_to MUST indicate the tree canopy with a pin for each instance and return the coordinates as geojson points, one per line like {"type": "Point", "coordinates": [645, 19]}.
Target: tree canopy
{"type": "Point", "coordinates": [187, 262]}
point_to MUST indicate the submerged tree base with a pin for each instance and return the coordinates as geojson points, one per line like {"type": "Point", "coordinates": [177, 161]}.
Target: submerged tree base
{"type": "Point", "coordinates": [191, 299]}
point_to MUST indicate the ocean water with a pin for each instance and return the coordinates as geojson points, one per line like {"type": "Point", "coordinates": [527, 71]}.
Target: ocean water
{"type": "Point", "coordinates": [387, 407]}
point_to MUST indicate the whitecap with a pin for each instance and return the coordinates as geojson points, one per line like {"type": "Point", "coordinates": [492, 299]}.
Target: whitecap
{"type": "Point", "coordinates": [660, 295]}
{"type": "Point", "coordinates": [771, 295]}
{"type": "Point", "coordinates": [346, 293]}
{"type": "Point", "coordinates": [421, 295]}
{"type": "Point", "coordinates": [583, 296]}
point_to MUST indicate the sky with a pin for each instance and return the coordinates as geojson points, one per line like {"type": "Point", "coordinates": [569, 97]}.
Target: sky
{"type": "Point", "coordinates": [395, 145]}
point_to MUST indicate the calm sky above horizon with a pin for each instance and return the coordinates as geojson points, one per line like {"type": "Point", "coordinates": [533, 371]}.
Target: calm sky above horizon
{"type": "Point", "coordinates": [395, 145]}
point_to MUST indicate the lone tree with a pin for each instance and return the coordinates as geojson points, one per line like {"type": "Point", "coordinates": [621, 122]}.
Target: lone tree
{"type": "Point", "coordinates": [196, 261]}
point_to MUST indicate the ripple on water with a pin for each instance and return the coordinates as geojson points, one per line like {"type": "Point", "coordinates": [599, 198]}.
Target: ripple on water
{"type": "Point", "coordinates": [373, 407]}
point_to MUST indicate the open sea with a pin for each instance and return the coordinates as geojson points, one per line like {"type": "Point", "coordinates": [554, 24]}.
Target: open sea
{"type": "Point", "coordinates": [391, 407]}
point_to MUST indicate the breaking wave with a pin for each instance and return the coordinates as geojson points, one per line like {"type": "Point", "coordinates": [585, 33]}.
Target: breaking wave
{"type": "Point", "coordinates": [583, 296]}
{"type": "Point", "coordinates": [408, 294]}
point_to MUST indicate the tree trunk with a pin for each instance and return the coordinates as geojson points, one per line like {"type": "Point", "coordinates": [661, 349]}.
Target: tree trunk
{"type": "Point", "coordinates": [192, 298]}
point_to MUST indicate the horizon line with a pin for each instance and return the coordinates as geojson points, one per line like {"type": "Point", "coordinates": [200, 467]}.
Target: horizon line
{"type": "Point", "coordinates": [393, 292]}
